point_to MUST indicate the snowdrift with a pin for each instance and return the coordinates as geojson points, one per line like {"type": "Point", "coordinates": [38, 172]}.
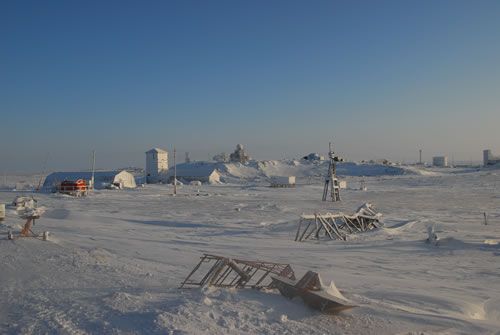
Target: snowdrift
{"type": "Point", "coordinates": [262, 171]}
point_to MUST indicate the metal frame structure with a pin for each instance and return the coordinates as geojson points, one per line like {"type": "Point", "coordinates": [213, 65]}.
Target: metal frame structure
{"type": "Point", "coordinates": [331, 181]}
{"type": "Point", "coordinates": [222, 271]}
{"type": "Point", "coordinates": [337, 226]}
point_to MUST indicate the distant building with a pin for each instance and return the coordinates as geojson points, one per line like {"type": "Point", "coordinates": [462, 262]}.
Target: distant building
{"type": "Point", "coordinates": [156, 165]}
{"type": "Point", "coordinates": [221, 158]}
{"type": "Point", "coordinates": [285, 181]}
{"type": "Point", "coordinates": [440, 161]}
{"type": "Point", "coordinates": [313, 157]}
{"type": "Point", "coordinates": [489, 159]}
{"type": "Point", "coordinates": [239, 155]}
{"type": "Point", "coordinates": [198, 171]}
{"type": "Point", "coordinates": [102, 179]}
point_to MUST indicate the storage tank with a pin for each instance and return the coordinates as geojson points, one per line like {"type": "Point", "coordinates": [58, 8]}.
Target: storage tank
{"type": "Point", "coordinates": [440, 161]}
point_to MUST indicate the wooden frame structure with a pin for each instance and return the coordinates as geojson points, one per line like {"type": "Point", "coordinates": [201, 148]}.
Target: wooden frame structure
{"type": "Point", "coordinates": [337, 226]}
{"type": "Point", "coordinates": [213, 270]}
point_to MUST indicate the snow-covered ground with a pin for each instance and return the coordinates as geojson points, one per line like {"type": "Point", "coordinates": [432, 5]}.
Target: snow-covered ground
{"type": "Point", "coordinates": [116, 258]}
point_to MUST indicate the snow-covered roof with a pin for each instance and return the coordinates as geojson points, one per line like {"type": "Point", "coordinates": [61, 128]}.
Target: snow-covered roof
{"type": "Point", "coordinates": [156, 150]}
{"type": "Point", "coordinates": [196, 169]}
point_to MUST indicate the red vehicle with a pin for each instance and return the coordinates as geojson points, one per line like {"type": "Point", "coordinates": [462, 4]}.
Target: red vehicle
{"type": "Point", "coordinates": [70, 186]}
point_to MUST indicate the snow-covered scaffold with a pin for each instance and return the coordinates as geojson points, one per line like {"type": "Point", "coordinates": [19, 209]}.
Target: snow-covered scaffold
{"type": "Point", "coordinates": [337, 226]}
{"type": "Point", "coordinates": [213, 270]}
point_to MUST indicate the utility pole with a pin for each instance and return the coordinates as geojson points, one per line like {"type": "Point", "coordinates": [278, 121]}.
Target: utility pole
{"type": "Point", "coordinates": [43, 173]}
{"type": "Point", "coordinates": [420, 157]}
{"type": "Point", "coordinates": [175, 175]}
{"type": "Point", "coordinates": [93, 169]}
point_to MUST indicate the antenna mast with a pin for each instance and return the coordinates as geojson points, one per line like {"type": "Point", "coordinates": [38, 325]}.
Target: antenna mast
{"type": "Point", "coordinates": [331, 181]}
{"type": "Point", "coordinates": [43, 173]}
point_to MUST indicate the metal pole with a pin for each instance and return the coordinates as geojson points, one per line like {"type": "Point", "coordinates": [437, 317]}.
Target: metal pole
{"type": "Point", "coordinates": [175, 175]}
{"type": "Point", "coordinates": [93, 168]}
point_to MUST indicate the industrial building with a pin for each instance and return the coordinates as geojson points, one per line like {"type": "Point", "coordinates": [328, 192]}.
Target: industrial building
{"type": "Point", "coordinates": [156, 165]}
{"type": "Point", "coordinates": [239, 155]}
{"type": "Point", "coordinates": [440, 161]}
{"type": "Point", "coordinates": [489, 159]}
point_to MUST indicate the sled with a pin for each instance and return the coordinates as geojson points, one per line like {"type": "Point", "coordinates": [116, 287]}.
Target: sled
{"type": "Point", "coordinates": [309, 288]}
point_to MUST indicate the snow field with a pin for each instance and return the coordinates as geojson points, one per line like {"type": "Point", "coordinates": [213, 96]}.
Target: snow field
{"type": "Point", "coordinates": [116, 258]}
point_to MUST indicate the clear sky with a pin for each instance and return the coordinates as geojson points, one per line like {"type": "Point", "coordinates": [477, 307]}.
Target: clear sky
{"type": "Point", "coordinates": [381, 79]}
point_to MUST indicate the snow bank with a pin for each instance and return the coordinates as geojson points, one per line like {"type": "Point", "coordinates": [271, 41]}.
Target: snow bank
{"type": "Point", "coordinates": [262, 171]}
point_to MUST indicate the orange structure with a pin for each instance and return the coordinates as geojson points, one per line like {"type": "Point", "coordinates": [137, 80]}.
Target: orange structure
{"type": "Point", "coordinates": [72, 187]}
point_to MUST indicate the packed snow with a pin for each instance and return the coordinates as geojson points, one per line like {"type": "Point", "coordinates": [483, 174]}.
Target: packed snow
{"type": "Point", "coordinates": [115, 258]}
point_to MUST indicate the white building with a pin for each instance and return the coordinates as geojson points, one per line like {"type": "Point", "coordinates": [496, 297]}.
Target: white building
{"type": "Point", "coordinates": [156, 165]}
{"type": "Point", "coordinates": [440, 161]}
{"type": "Point", "coordinates": [198, 171]}
{"type": "Point", "coordinates": [122, 179]}
{"type": "Point", "coordinates": [489, 159]}
{"type": "Point", "coordinates": [285, 181]}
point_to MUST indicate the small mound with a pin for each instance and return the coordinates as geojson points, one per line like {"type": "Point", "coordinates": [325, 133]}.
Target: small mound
{"type": "Point", "coordinates": [492, 309]}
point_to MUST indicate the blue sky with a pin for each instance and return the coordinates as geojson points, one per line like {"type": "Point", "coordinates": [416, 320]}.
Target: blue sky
{"type": "Point", "coordinates": [379, 78]}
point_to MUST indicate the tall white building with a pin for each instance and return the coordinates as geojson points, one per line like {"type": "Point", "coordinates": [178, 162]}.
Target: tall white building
{"type": "Point", "coordinates": [156, 165]}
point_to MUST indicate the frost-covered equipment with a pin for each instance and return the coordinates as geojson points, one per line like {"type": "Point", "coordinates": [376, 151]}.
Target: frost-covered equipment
{"type": "Point", "coordinates": [278, 181]}
{"type": "Point", "coordinates": [331, 181]}
{"type": "Point", "coordinates": [312, 291]}
{"type": "Point", "coordinates": [432, 237]}
{"type": "Point", "coordinates": [362, 185]}
{"type": "Point", "coordinates": [21, 202]}
{"type": "Point", "coordinates": [27, 209]}
{"type": "Point", "coordinates": [337, 226]}
{"type": "Point", "coordinates": [213, 270]}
